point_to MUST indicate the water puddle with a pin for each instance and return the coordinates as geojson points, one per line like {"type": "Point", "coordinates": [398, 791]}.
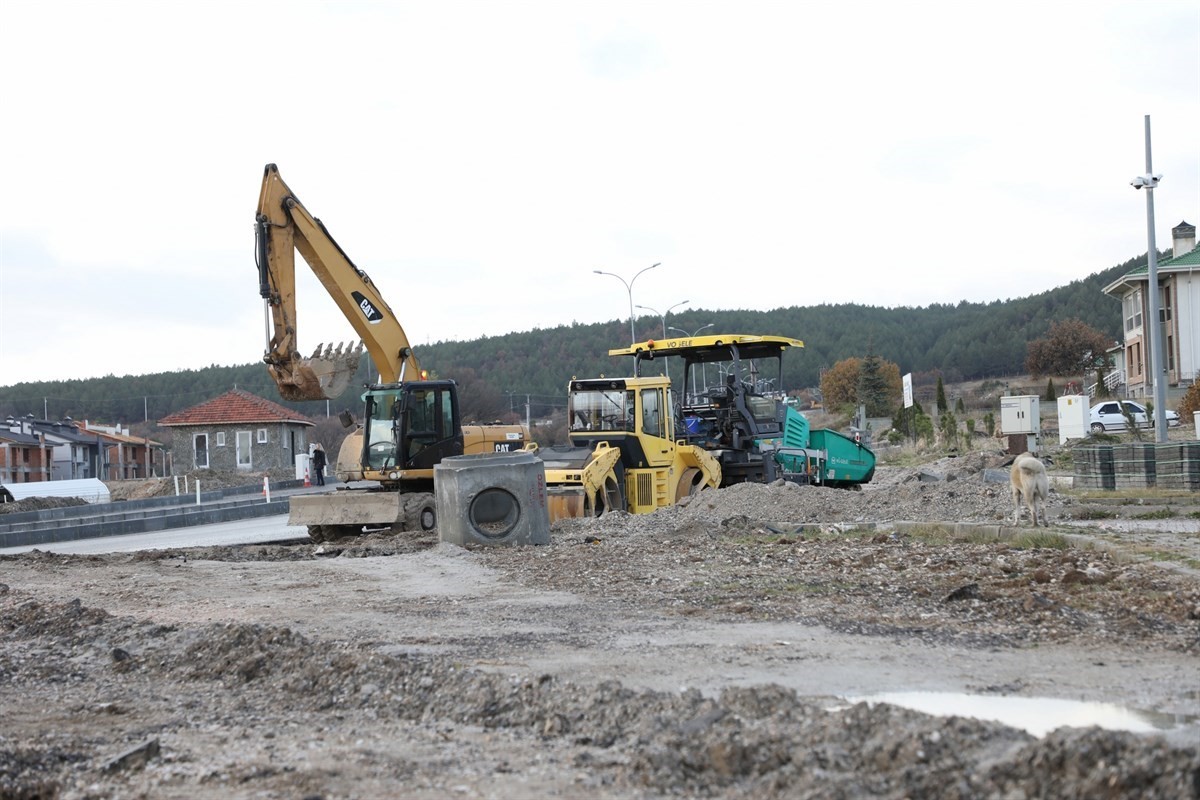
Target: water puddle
{"type": "Point", "coordinates": [1036, 715]}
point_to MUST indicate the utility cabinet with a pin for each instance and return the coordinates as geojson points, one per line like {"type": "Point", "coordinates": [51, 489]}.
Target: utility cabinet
{"type": "Point", "coordinates": [1073, 417]}
{"type": "Point", "coordinates": [1019, 414]}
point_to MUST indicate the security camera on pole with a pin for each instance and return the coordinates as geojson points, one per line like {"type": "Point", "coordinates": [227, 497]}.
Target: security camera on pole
{"type": "Point", "coordinates": [1158, 374]}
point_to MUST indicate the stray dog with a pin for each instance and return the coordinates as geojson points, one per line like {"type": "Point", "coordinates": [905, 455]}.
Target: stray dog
{"type": "Point", "coordinates": [1029, 484]}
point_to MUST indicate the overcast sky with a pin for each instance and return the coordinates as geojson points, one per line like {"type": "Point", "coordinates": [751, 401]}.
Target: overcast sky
{"type": "Point", "coordinates": [480, 160]}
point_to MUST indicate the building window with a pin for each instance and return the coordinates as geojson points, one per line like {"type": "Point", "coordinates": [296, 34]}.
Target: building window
{"type": "Point", "coordinates": [244, 459]}
{"type": "Point", "coordinates": [220, 438]}
{"type": "Point", "coordinates": [1133, 311]}
{"type": "Point", "coordinates": [262, 435]}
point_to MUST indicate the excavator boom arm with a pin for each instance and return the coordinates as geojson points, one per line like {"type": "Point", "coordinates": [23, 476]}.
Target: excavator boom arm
{"type": "Point", "coordinates": [283, 226]}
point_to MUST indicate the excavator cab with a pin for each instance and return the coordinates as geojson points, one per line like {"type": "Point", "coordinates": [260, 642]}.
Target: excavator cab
{"type": "Point", "coordinates": [430, 429]}
{"type": "Point", "coordinates": [410, 426]}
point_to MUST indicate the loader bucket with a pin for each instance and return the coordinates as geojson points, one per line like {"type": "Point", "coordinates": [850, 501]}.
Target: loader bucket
{"type": "Point", "coordinates": [321, 376]}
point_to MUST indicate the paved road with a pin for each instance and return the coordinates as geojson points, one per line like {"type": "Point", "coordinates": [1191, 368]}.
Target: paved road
{"type": "Point", "coordinates": [246, 531]}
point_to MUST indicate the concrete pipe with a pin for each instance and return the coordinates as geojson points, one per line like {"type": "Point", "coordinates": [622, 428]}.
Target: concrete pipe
{"type": "Point", "coordinates": [492, 499]}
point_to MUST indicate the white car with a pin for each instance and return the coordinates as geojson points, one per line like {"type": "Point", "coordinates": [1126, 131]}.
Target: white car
{"type": "Point", "coordinates": [1108, 417]}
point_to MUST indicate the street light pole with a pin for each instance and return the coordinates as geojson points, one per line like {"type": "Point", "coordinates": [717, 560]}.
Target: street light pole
{"type": "Point", "coordinates": [1158, 374]}
{"type": "Point", "coordinates": [693, 336]}
{"type": "Point", "coordinates": [663, 315]}
{"type": "Point", "coordinates": [629, 289]}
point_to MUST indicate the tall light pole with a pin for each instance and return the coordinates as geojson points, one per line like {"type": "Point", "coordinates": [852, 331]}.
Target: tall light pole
{"type": "Point", "coordinates": [693, 335]}
{"type": "Point", "coordinates": [1158, 375]}
{"type": "Point", "coordinates": [629, 289]}
{"type": "Point", "coordinates": [663, 315]}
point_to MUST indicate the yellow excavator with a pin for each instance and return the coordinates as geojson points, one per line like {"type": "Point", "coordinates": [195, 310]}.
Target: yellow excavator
{"type": "Point", "coordinates": [409, 423]}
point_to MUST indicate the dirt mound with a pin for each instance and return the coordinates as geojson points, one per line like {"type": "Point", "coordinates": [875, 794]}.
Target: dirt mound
{"type": "Point", "coordinates": [761, 742]}
{"type": "Point", "coordinates": [40, 504]}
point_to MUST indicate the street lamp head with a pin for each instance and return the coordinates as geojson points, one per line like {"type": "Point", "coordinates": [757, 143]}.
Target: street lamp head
{"type": "Point", "coordinates": [693, 333]}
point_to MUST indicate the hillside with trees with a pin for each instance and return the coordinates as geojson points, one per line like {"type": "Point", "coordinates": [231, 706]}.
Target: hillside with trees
{"type": "Point", "coordinates": [498, 374]}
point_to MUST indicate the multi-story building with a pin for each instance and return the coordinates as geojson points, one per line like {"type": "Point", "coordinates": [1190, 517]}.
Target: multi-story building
{"type": "Point", "coordinates": [1179, 317]}
{"type": "Point", "coordinates": [25, 455]}
{"type": "Point", "coordinates": [127, 457]}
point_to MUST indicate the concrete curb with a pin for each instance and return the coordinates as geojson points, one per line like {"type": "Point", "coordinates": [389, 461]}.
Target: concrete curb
{"type": "Point", "coordinates": [93, 521]}
{"type": "Point", "coordinates": [172, 518]}
{"type": "Point", "coordinates": [8, 521]}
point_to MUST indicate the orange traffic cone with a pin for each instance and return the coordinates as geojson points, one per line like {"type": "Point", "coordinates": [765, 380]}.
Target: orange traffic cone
{"type": "Point", "coordinates": [307, 483]}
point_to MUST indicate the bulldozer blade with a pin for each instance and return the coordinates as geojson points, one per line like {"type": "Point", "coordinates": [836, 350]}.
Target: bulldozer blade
{"type": "Point", "coordinates": [322, 376]}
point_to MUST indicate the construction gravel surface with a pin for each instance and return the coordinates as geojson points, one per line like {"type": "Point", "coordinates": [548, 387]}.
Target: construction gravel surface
{"type": "Point", "coordinates": [717, 649]}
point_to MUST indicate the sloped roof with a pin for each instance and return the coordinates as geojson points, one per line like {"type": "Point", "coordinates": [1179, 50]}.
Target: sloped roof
{"type": "Point", "coordinates": [120, 437]}
{"type": "Point", "coordinates": [64, 432]}
{"type": "Point", "coordinates": [233, 407]}
{"type": "Point", "coordinates": [1188, 261]}
{"type": "Point", "coordinates": [15, 437]}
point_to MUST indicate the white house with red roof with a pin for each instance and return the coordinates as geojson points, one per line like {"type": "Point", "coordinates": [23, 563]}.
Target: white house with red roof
{"type": "Point", "coordinates": [237, 431]}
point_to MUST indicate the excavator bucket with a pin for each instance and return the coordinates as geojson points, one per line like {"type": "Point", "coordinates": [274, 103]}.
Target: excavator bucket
{"type": "Point", "coordinates": [324, 375]}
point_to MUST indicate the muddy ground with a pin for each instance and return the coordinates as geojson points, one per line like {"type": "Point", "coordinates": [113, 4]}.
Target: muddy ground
{"type": "Point", "coordinates": [718, 649]}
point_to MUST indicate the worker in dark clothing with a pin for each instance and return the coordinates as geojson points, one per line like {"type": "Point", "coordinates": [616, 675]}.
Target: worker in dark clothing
{"type": "Point", "coordinates": [318, 463]}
